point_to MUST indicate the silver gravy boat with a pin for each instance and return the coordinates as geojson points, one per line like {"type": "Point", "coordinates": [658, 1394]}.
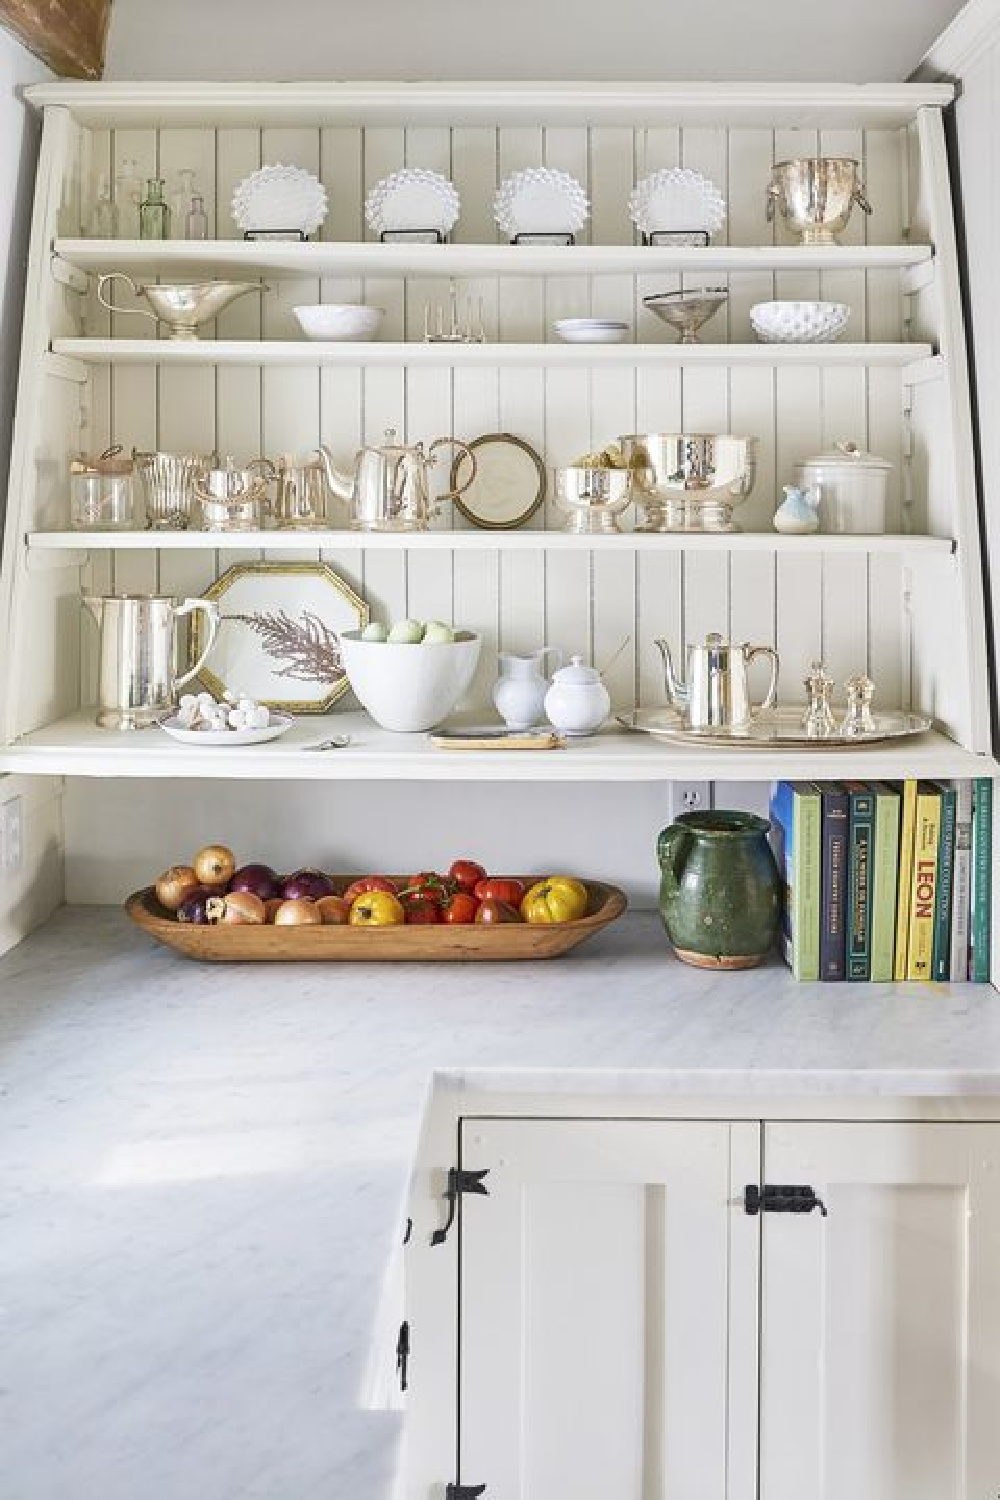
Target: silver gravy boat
{"type": "Point", "coordinates": [716, 693]}
{"type": "Point", "coordinates": [183, 306]}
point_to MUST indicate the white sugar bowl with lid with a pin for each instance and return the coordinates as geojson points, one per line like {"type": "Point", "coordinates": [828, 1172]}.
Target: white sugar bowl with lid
{"type": "Point", "coordinates": [852, 488]}
{"type": "Point", "coordinates": [577, 702]}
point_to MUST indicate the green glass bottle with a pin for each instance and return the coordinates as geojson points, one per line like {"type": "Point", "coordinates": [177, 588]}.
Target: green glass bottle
{"type": "Point", "coordinates": [154, 213]}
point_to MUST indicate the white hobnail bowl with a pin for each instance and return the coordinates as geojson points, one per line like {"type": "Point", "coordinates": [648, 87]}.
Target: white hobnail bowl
{"type": "Point", "coordinates": [409, 688]}
{"type": "Point", "coordinates": [414, 198]}
{"type": "Point", "coordinates": [540, 200]}
{"type": "Point", "coordinates": [348, 322]}
{"type": "Point", "coordinates": [676, 199]}
{"type": "Point", "coordinates": [799, 322]}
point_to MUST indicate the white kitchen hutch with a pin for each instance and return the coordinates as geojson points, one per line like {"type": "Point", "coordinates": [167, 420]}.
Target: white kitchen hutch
{"type": "Point", "coordinates": [907, 606]}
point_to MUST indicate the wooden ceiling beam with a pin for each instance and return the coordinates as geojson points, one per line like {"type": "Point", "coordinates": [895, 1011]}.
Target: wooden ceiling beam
{"type": "Point", "coordinates": [68, 35]}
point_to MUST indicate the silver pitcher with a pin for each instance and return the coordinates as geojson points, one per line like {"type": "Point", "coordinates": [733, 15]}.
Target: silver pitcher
{"type": "Point", "coordinates": [303, 498]}
{"type": "Point", "coordinates": [137, 680]}
{"type": "Point", "coordinates": [167, 484]}
{"type": "Point", "coordinates": [716, 693]}
{"type": "Point", "coordinates": [389, 487]}
{"type": "Point", "coordinates": [231, 498]}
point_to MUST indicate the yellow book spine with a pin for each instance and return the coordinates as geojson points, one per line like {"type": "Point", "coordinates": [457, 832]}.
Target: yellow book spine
{"type": "Point", "coordinates": [923, 886]}
{"type": "Point", "coordinates": [905, 879]}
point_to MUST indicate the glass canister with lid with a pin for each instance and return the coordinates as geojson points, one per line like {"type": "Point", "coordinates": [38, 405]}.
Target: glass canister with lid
{"type": "Point", "coordinates": [101, 493]}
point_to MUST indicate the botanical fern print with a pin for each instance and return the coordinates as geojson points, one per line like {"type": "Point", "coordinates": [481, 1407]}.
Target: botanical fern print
{"type": "Point", "coordinates": [307, 646]}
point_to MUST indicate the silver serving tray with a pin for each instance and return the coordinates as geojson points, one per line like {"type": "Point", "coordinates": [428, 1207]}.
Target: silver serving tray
{"type": "Point", "coordinates": [781, 726]}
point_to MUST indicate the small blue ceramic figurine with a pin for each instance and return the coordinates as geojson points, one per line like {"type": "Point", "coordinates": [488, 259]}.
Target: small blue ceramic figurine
{"type": "Point", "coordinates": [797, 514]}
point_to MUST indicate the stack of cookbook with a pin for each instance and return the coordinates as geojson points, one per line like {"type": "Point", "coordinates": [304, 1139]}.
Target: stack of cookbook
{"type": "Point", "coordinates": [885, 880]}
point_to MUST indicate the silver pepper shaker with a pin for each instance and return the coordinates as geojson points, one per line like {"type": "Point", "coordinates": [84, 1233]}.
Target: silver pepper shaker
{"type": "Point", "coordinates": [858, 719]}
{"type": "Point", "coordinates": [818, 721]}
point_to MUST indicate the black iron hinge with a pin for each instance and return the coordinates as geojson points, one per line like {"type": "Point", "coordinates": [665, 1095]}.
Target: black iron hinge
{"type": "Point", "coordinates": [781, 1200]}
{"type": "Point", "coordinates": [459, 1182]}
{"type": "Point", "coordinates": [464, 1491]}
{"type": "Point", "coordinates": [403, 1354]}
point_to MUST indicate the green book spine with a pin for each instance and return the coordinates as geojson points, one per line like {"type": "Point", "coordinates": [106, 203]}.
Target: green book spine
{"type": "Point", "coordinates": [859, 880]}
{"type": "Point", "coordinates": [808, 816]}
{"type": "Point", "coordinates": [885, 867]}
{"type": "Point", "coordinates": [941, 957]}
{"type": "Point", "coordinates": [982, 879]}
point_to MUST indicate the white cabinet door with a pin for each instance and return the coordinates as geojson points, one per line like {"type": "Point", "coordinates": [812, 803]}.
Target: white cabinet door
{"type": "Point", "coordinates": [880, 1338]}
{"type": "Point", "coordinates": [597, 1356]}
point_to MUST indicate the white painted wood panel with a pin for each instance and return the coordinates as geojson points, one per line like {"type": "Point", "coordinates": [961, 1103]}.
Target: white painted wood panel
{"type": "Point", "coordinates": [595, 1344]}
{"type": "Point", "coordinates": [879, 1364]}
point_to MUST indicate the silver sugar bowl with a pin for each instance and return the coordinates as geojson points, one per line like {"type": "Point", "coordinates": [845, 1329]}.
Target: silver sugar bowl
{"type": "Point", "coordinates": [233, 498]}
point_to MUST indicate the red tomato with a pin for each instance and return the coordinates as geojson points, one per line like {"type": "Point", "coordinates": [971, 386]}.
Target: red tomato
{"type": "Point", "coordinates": [369, 883]}
{"type": "Point", "coordinates": [465, 873]}
{"type": "Point", "coordinates": [501, 888]}
{"type": "Point", "coordinates": [491, 911]}
{"type": "Point", "coordinates": [421, 910]}
{"type": "Point", "coordinates": [461, 907]}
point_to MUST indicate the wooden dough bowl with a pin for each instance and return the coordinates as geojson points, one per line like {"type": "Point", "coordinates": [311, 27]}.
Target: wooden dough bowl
{"type": "Point", "coordinates": [442, 943]}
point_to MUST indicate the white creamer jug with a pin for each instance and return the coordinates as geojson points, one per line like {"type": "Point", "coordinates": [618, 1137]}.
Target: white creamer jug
{"type": "Point", "coordinates": [519, 692]}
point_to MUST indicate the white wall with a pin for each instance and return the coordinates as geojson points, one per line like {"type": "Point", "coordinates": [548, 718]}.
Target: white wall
{"type": "Point", "coordinates": [853, 41]}
{"type": "Point", "coordinates": [29, 895]}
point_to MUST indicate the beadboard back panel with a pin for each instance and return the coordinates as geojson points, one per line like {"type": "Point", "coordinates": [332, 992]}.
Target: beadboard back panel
{"type": "Point", "coordinates": [846, 606]}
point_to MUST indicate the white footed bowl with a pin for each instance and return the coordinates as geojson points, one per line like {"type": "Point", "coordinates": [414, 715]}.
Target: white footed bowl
{"type": "Point", "coordinates": [409, 688]}
{"type": "Point", "coordinates": [350, 322]}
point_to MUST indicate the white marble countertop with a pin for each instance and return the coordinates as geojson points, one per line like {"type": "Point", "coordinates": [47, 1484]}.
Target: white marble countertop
{"type": "Point", "coordinates": [201, 1170]}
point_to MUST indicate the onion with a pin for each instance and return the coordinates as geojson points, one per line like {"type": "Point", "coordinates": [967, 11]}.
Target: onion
{"type": "Point", "coordinates": [215, 865]}
{"type": "Point", "coordinates": [174, 885]}
{"type": "Point", "coordinates": [260, 880]}
{"type": "Point", "coordinates": [334, 910]}
{"type": "Point", "coordinates": [270, 907]}
{"type": "Point", "coordinates": [239, 908]}
{"type": "Point", "coordinates": [297, 912]}
{"type": "Point", "coordinates": [307, 885]}
{"type": "Point", "coordinates": [193, 907]}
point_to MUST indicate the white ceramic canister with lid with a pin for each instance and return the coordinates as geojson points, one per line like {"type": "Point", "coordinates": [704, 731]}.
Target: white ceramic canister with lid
{"type": "Point", "coordinates": [852, 486]}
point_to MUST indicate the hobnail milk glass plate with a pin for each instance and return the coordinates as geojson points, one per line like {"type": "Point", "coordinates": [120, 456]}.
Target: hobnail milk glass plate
{"type": "Point", "coordinates": [277, 198]}
{"type": "Point", "coordinates": [540, 200]}
{"type": "Point", "coordinates": [279, 725]}
{"type": "Point", "coordinates": [412, 199]}
{"type": "Point", "coordinates": [674, 199]}
{"type": "Point", "coordinates": [799, 322]}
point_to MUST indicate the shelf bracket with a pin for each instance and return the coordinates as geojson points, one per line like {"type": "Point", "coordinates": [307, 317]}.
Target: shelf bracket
{"type": "Point", "coordinates": [67, 275]}
{"type": "Point", "coordinates": [39, 560]}
{"type": "Point", "coordinates": [917, 278]}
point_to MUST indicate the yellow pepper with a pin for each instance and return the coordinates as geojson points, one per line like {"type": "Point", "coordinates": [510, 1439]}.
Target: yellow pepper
{"type": "Point", "coordinates": [557, 898]}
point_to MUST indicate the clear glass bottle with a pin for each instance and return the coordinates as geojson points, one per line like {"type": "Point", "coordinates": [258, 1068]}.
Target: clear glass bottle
{"type": "Point", "coordinates": [104, 215]}
{"type": "Point", "coordinates": [181, 200]}
{"type": "Point", "coordinates": [196, 220]}
{"type": "Point", "coordinates": [154, 213]}
{"type": "Point", "coordinates": [128, 196]}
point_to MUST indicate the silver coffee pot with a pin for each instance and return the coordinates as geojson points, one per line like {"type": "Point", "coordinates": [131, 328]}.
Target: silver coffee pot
{"type": "Point", "coordinates": [389, 488]}
{"type": "Point", "coordinates": [716, 693]}
{"type": "Point", "coordinates": [137, 679]}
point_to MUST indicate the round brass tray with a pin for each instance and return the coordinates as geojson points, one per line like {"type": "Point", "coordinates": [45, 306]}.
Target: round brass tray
{"type": "Point", "coordinates": [781, 726]}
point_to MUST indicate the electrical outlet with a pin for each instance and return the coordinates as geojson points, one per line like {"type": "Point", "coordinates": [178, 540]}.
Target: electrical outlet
{"type": "Point", "coordinates": [689, 796]}
{"type": "Point", "coordinates": [11, 835]}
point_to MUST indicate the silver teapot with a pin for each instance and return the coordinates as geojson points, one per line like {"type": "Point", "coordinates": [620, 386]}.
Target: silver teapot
{"type": "Point", "coordinates": [716, 693]}
{"type": "Point", "coordinates": [389, 488]}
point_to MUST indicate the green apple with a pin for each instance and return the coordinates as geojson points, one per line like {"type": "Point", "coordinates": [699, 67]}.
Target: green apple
{"type": "Point", "coordinates": [436, 633]}
{"type": "Point", "coordinates": [375, 632]}
{"type": "Point", "coordinates": [406, 633]}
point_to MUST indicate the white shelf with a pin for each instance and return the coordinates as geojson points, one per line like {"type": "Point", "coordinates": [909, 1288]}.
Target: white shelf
{"type": "Point", "coordinates": [806, 105]}
{"type": "Point", "coordinates": [76, 747]}
{"type": "Point", "coordinates": [526, 540]}
{"type": "Point", "coordinates": [482, 356]}
{"type": "Point", "coordinates": [235, 258]}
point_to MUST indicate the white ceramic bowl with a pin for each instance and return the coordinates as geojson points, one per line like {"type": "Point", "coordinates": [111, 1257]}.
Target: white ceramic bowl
{"type": "Point", "coordinates": [591, 331]}
{"type": "Point", "coordinates": [799, 322]}
{"type": "Point", "coordinates": [409, 688]}
{"type": "Point", "coordinates": [350, 322]}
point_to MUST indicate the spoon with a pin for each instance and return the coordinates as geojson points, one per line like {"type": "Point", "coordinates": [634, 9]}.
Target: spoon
{"type": "Point", "coordinates": [336, 742]}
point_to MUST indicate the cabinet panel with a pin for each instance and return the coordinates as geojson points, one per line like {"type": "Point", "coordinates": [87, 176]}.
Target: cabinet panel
{"type": "Point", "coordinates": [595, 1334]}
{"type": "Point", "coordinates": [880, 1365]}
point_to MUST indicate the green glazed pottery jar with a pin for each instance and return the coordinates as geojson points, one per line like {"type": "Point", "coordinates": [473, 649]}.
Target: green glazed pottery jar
{"type": "Point", "coordinates": [720, 895]}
